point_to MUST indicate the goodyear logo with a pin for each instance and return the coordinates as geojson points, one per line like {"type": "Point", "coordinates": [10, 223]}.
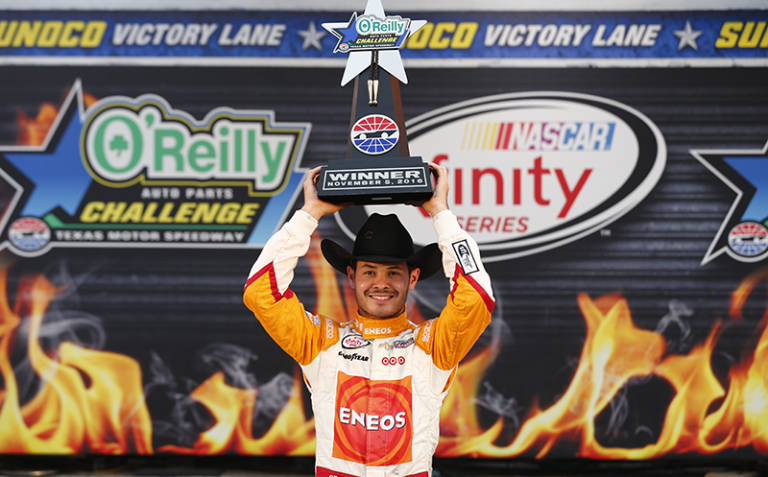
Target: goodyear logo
{"type": "Point", "coordinates": [137, 172]}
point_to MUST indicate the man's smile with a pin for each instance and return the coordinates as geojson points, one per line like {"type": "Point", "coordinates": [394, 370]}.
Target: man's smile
{"type": "Point", "coordinates": [380, 296]}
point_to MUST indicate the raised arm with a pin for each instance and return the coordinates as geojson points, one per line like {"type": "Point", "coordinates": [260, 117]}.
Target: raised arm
{"type": "Point", "coordinates": [468, 308]}
{"type": "Point", "coordinates": [267, 293]}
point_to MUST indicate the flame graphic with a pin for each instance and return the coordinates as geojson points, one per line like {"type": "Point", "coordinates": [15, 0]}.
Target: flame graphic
{"type": "Point", "coordinates": [102, 413]}
{"type": "Point", "coordinates": [105, 412]}
{"type": "Point", "coordinates": [33, 131]}
{"type": "Point", "coordinates": [232, 409]}
{"type": "Point", "coordinates": [614, 352]}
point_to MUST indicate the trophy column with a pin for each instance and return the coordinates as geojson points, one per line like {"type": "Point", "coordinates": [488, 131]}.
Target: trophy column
{"type": "Point", "coordinates": [378, 168]}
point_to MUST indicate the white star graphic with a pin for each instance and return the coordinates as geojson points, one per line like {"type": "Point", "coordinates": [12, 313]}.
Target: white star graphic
{"type": "Point", "coordinates": [687, 37]}
{"type": "Point", "coordinates": [312, 37]}
{"type": "Point", "coordinates": [390, 60]}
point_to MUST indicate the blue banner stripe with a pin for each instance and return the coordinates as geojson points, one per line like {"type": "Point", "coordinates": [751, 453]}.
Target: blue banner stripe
{"type": "Point", "coordinates": [448, 35]}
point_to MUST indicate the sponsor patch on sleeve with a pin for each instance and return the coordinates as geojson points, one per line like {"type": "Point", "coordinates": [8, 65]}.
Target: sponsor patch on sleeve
{"type": "Point", "coordinates": [465, 257]}
{"type": "Point", "coordinates": [312, 318]}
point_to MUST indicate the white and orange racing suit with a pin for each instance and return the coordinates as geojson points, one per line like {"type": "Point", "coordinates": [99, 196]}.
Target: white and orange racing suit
{"type": "Point", "coordinates": [377, 385]}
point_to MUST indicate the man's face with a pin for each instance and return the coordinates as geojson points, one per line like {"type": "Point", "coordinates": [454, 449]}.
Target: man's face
{"type": "Point", "coordinates": [381, 288]}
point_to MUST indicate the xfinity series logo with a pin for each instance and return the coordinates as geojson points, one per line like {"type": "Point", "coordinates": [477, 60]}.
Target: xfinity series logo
{"type": "Point", "coordinates": [353, 342]}
{"type": "Point", "coordinates": [137, 172]}
{"type": "Point", "coordinates": [531, 172]}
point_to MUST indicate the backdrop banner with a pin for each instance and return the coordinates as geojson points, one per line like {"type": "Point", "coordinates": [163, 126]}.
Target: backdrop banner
{"type": "Point", "coordinates": [612, 166]}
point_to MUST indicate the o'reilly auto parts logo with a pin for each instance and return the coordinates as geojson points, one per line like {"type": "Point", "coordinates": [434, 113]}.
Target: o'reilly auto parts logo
{"type": "Point", "coordinates": [533, 171]}
{"type": "Point", "coordinates": [127, 141]}
{"type": "Point", "coordinates": [139, 173]}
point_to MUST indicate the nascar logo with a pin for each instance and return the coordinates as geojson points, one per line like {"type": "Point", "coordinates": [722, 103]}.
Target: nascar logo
{"type": "Point", "coordinates": [374, 134]}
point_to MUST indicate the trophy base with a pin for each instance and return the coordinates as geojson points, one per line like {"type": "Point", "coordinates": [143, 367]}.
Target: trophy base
{"type": "Point", "coordinates": [375, 181]}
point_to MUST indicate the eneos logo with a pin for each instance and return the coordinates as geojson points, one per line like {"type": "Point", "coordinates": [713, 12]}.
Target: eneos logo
{"type": "Point", "coordinates": [373, 423]}
{"type": "Point", "coordinates": [529, 172]}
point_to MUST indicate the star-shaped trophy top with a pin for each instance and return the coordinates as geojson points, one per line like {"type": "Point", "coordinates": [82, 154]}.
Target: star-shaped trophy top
{"type": "Point", "coordinates": [380, 27]}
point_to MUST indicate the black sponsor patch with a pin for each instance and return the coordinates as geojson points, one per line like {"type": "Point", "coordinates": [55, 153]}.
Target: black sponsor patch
{"type": "Point", "coordinates": [465, 257]}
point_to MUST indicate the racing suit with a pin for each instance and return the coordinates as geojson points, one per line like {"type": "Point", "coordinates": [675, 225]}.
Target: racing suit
{"type": "Point", "coordinates": [377, 385]}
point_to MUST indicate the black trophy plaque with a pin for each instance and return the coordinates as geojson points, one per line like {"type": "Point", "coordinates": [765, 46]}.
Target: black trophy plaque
{"type": "Point", "coordinates": [378, 168]}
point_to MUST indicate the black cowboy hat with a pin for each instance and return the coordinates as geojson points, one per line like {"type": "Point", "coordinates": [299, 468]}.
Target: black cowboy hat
{"type": "Point", "coordinates": [383, 239]}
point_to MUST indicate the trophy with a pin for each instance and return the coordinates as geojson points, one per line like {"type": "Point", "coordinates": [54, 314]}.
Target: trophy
{"type": "Point", "coordinates": [378, 168]}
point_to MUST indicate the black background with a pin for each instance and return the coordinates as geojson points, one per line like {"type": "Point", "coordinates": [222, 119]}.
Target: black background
{"type": "Point", "coordinates": [176, 302]}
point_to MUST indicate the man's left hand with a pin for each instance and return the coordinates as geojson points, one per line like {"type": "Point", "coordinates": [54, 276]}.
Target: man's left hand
{"type": "Point", "coordinates": [439, 200]}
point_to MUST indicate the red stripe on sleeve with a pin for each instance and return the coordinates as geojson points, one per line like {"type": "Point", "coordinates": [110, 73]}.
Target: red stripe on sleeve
{"type": "Point", "coordinates": [489, 303]}
{"type": "Point", "coordinates": [270, 269]}
{"type": "Point", "coordinates": [456, 273]}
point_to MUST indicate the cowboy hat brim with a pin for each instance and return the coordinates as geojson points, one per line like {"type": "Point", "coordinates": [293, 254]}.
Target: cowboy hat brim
{"type": "Point", "coordinates": [429, 259]}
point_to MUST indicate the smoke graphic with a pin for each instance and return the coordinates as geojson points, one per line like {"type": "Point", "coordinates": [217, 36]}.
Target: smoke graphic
{"type": "Point", "coordinates": [61, 323]}
{"type": "Point", "coordinates": [270, 401]}
{"type": "Point", "coordinates": [677, 311]}
{"type": "Point", "coordinates": [619, 407]}
{"type": "Point", "coordinates": [187, 417]}
{"type": "Point", "coordinates": [495, 402]}
{"type": "Point", "coordinates": [231, 359]}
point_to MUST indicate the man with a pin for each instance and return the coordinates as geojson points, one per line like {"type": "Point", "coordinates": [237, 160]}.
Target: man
{"type": "Point", "coordinates": [377, 382]}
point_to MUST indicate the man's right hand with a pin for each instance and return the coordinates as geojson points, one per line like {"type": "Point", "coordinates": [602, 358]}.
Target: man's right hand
{"type": "Point", "coordinates": [312, 204]}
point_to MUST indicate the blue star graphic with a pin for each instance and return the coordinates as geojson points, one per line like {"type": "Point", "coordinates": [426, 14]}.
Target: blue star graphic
{"type": "Point", "coordinates": [745, 172]}
{"type": "Point", "coordinates": [755, 171]}
{"type": "Point", "coordinates": [59, 175]}
{"type": "Point", "coordinates": [346, 34]}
